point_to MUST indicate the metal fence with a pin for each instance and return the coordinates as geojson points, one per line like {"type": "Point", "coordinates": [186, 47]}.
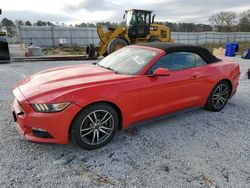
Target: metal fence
{"type": "Point", "coordinates": [51, 36]}
{"type": "Point", "coordinates": [210, 37]}
{"type": "Point", "coordinates": [81, 36]}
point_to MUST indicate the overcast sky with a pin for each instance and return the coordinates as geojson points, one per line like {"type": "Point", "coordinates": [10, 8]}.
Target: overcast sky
{"type": "Point", "coordinates": [77, 11]}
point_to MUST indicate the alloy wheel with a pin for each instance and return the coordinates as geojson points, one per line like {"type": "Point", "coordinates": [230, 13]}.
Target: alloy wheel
{"type": "Point", "coordinates": [97, 127]}
{"type": "Point", "coordinates": [220, 96]}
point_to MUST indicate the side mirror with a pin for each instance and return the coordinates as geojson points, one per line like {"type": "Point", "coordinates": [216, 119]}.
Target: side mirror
{"type": "Point", "coordinates": [161, 72]}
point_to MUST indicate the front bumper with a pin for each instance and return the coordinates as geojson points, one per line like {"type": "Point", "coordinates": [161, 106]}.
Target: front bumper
{"type": "Point", "coordinates": [55, 124]}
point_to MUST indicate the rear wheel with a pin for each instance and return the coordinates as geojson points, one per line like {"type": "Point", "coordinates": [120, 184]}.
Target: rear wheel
{"type": "Point", "coordinates": [154, 40]}
{"type": "Point", "coordinates": [95, 126]}
{"type": "Point", "coordinates": [218, 97]}
{"type": "Point", "coordinates": [116, 44]}
{"type": "Point", "coordinates": [104, 55]}
{"type": "Point", "coordinates": [90, 50]}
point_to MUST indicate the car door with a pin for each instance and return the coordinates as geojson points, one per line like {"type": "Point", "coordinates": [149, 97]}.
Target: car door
{"type": "Point", "coordinates": [165, 94]}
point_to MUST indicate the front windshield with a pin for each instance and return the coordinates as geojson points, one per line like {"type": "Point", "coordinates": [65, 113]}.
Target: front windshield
{"type": "Point", "coordinates": [128, 60]}
{"type": "Point", "coordinates": [131, 19]}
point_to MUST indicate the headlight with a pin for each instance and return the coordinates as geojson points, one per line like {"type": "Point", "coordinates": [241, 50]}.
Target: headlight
{"type": "Point", "coordinates": [51, 107]}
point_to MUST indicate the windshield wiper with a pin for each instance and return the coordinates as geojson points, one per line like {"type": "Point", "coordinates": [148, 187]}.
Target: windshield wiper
{"type": "Point", "coordinates": [116, 72]}
{"type": "Point", "coordinates": [112, 70]}
{"type": "Point", "coordinates": [100, 65]}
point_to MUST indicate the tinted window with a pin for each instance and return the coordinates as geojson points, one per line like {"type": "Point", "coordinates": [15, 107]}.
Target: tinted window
{"type": "Point", "coordinates": [175, 61]}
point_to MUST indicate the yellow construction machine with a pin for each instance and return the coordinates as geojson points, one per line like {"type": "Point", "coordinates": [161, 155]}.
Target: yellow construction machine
{"type": "Point", "coordinates": [4, 47]}
{"type": "Point", "coordinates": [140, 27]}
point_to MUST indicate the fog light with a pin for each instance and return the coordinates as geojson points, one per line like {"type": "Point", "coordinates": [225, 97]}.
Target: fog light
{"type": "Point", "coordinates": [38, 129]}
{"type": "Point", "coordinates": [38, 132]}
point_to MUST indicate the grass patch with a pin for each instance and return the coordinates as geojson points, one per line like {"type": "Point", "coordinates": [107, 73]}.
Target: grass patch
{"type": "Point", "coordinates": [64, 51]}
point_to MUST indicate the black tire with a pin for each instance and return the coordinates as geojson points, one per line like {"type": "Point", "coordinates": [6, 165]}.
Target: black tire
{"type": "Point", "coordinates": [116, 43]}
{"type": "Point", "coordinates": [83, 124]}
{"type": "Point", "coordinates": [106, 54]}
{"type": "Point", "coordinates": [154, 40]}
{"type": "Point", "coordinates": [90, 50]}
{"type": "Point", "coordinates": [218, 97]}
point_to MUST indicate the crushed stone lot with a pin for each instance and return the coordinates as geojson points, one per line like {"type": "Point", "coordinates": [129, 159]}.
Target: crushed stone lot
{"type": "Point", "coordinates": [189, 149]}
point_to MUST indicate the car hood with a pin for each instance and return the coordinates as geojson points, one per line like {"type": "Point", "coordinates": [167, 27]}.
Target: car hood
{"type": "Point", "coordinates": [58, 81]}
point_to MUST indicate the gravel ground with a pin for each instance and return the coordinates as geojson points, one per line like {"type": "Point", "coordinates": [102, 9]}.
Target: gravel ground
{"type": "Point", "coordinates": [190, 149]}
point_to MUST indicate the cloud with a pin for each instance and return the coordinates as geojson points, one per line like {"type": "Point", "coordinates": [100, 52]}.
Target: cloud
{"type": "Point", "coordinates": [91, 5]}
{"type": "Point", "coordinates": [171, 10]}
{"type": "Point", "coordinates": [112, 10]}
{"type": "Point", "coordinates": [34, 16]}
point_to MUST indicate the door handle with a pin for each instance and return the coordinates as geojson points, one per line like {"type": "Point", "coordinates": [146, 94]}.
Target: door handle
{"type": "Point", "coordinates": [195, 76]}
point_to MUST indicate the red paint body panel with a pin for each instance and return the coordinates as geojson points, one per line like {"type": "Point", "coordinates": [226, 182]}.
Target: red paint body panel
{"type": "Point", "coordinates": [56, 124]}
{"type": "Point", "coordinates": [139, 97]}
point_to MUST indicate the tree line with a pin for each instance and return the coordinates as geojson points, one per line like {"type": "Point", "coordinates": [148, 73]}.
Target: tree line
{"type": "Point", "coordinates": [230, 21]}
{"type": "Point", "coordinates": [221, 22]}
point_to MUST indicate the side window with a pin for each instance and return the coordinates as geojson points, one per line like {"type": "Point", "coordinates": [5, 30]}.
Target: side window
{"type": "Point", "coordinates": [175, 61]}
{"type": "Point", "coordinates": [147, 18]}
{"type": "Point", "coordinates": [199, 61]}
{"type": "Point", "coordinates": [141, 18]}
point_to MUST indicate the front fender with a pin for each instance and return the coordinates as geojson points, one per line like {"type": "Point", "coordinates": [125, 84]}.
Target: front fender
{"type": "Point", "coordinates": [106, 37]}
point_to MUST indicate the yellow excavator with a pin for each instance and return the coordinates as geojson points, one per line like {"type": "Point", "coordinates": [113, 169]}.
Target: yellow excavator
{"type": "Point", "coordinates": [4, 47]}
{"type": "Point", "coordinates": [140, 27]}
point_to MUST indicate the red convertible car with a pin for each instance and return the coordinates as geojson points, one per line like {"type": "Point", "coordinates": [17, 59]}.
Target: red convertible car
{"type": "Point", "coordinates": [90, 102]}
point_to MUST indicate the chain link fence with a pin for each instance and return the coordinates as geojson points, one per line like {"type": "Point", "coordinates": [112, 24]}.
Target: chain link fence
{"type": "Point", "coordinates": [82, 36]}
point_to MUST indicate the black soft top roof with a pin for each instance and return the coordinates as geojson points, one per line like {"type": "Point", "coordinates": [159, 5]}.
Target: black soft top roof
{"type": "Point", "coordinates": [176, 47]}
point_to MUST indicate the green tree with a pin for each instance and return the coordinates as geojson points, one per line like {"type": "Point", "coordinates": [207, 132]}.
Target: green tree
{"type": "Point", "coordinates": [27, 23]}
{"type": "Point", "coordinates": [19, 23]}
{"type": "Point", "coordinates": [172, 26]}
{"type": "Point", "coordinates": [81, 25]}
{"type": "Point", "coordinates": [186, 27]}
{"type": "Point", "coordinates": [244, 23]}
{"type": "Point", "coordinates": [203, 27]}
{"type": "Point", "coordinates": [50, 24]}
{"type": "Point", "coordinates": [224, 21]}
{"type": "Point", "coordinates": [113, 24]}
{"type": "Point", "coordinates": [90, 25]}
{"type": "Point", "coordinates": [9, 25]}
{"type": "Point", "coordinates": [40, 23]}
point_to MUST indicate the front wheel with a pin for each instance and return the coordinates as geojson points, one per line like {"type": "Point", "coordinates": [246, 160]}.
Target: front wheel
{"type": "Point", "coordinates": [90, 50]}
{"type": "Point", "coordinates": [218, 97]}
{"type": "Point", "coordinates": [95, 126]}
{"type": "Point", "coordinates": [116, 44]}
